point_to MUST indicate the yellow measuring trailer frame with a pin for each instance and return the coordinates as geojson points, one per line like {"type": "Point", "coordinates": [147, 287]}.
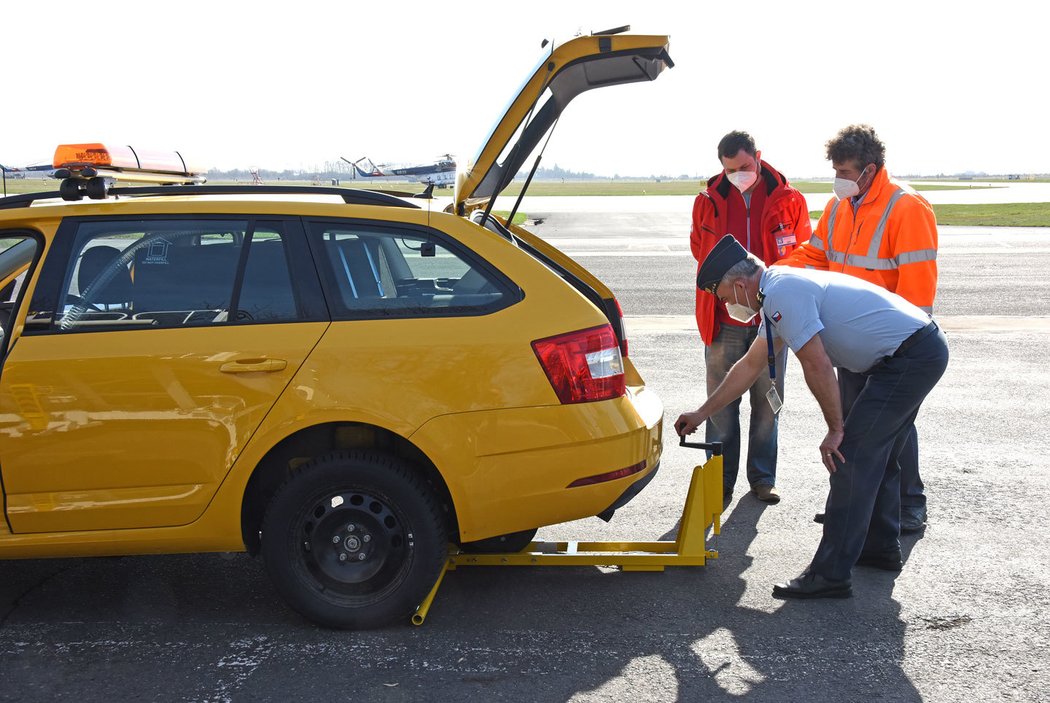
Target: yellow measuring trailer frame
{"type": "Point", "coordinates": [703, 510]}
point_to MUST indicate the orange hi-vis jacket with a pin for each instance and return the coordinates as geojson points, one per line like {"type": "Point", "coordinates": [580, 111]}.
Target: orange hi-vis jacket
{"type": "Point", "coordinates": [891, 240]}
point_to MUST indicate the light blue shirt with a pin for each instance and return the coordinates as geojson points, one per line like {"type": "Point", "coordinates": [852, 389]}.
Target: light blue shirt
{"type": "Point", "coordinates": [859, 323]}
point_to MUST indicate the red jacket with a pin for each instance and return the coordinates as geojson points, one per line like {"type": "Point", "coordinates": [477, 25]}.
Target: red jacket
{"type": "Point", "coordinates": [779, 219]}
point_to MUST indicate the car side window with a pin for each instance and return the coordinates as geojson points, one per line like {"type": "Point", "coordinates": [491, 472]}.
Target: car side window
{"type": "Point", "coordinates": [386, 271]}
{"type": "Point", "coordinates": [175, 273]}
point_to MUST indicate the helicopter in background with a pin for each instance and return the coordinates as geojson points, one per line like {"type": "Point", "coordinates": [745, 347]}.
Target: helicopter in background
{"type": "Point", "coordinates": [439, 173]}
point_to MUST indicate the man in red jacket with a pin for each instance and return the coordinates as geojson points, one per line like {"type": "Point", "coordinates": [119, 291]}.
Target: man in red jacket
{"type": "Point", "coordinates": [754, 203]}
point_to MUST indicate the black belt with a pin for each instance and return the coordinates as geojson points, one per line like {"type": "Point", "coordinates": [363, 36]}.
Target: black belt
{"type": "Point", "coordinates": [916, 337]}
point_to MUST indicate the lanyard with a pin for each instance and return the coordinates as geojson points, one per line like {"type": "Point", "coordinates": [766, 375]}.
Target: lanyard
{"type": "Point", "coordinates": [772, 395]}
{"type": "Point", "coordinates": [772, 357]}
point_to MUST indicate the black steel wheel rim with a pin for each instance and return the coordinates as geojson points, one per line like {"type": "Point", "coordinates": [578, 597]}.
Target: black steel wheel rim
{"type": "Point", "coordinates": [354, 544]}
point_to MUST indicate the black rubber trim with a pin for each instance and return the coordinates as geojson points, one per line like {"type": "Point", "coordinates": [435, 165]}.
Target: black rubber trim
{"type": "Point", "coordinates": [628, 495]}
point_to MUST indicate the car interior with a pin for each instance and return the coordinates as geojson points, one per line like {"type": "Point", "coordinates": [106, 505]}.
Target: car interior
{"type": "Point", "coordinates": [386, 274]}
{"type": "Point", "coordinates": [167, 280]}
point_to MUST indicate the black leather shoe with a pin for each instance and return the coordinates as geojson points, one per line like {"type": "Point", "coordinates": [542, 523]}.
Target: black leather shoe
{"type": "Point", "coordinates": [887, 561]}
{"type": "Point", "coordinates": [813, 586]}
{"type": "Point", "coordinates": [819, 518]}
{"type": "Point", "coordinates": [912, 519]}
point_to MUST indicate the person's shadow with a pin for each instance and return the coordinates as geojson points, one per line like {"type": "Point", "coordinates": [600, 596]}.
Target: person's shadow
{"type": "Point", "coordinates": [711, 633]}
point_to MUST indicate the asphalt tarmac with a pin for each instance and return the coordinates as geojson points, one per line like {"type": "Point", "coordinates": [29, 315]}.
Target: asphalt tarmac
{"type": "Point", "coordinates": [967, 619]}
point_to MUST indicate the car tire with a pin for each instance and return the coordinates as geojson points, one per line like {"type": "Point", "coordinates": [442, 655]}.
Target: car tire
{"type": "Point", "coordinates": [354, 539]}
{"type": "Point", "coordinates": [508, 543]}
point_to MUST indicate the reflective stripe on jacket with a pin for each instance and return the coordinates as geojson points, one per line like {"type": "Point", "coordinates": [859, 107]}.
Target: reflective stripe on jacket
{"type": "Point", "coordinates": [783, 221]}
{"type": "Point", "coordinates": [891, 240]}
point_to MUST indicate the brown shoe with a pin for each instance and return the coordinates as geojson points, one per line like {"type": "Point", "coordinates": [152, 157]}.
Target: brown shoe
{"type": "Point", "coordinates": [766, 493]}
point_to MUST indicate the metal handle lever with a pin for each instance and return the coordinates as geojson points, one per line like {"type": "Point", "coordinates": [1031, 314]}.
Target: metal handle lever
{"type": "Point", "coordinates": [714, 447]}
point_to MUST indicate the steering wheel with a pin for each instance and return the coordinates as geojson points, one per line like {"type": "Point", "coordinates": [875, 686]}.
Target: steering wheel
{"type": "Point", "coordinates": [102, 279]}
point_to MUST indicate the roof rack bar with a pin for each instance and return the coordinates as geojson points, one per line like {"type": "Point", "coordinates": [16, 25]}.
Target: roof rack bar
{"type": "Point", "coordinates": [350, 196]}
{"type": "Point", "coordinates": [13, 201]}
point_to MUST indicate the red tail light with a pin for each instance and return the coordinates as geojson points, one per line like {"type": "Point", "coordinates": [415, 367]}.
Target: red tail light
{"type": "Point", "coordinates": [583, 366]}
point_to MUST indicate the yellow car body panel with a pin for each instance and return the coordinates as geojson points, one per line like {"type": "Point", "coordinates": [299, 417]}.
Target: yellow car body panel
{"type": "Point", "coordinates": [514, 466]}
{"type": "Point", "coordinates": [142, 429]}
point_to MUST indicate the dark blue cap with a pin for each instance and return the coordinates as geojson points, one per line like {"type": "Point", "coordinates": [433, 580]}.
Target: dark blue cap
{"type": "Point", "coordinates": [726, 254]}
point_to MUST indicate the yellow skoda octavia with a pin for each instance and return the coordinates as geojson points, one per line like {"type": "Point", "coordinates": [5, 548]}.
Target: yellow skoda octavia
{"type": "Point", "coordinates": [342, 381]}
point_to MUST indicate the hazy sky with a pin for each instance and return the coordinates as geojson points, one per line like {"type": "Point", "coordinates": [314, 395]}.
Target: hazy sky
{"type": "Point", "coordinates": [949, 86]}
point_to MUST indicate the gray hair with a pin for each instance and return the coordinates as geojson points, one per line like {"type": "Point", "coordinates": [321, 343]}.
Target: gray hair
{"type": "Point", "coordinates": [859, 143]}
{"type": "Point", "coordinates": [745, 268]}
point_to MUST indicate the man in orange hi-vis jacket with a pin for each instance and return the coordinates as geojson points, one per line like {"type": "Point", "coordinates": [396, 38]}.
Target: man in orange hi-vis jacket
{"type": "Point", "coordinates": [884, 232]}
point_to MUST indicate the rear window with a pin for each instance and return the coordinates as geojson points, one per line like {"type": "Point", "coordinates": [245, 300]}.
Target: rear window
{"type": "Point", "coordinates": [385, 271]}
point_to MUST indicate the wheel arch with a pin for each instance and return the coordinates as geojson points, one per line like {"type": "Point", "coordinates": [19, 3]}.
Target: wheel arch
{"type": "Point", "coordinates": [310, 442]}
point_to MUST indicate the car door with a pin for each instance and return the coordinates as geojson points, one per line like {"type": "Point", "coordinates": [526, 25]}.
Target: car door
{"type": "Point", "coordinates": [152, 350]}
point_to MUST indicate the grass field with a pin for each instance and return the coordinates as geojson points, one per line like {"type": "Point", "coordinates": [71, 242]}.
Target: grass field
{"type": "Point", "coordinates": [998, 215]}
{"type": "Point", "coordinates": [1001, 215]}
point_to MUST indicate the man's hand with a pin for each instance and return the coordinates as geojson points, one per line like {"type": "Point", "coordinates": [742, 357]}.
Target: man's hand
{"type": "Point", "coordinates": [829, 450]}
{"type": "Point", "coordinates": [820, 377]}
{"type": "Point", "coordinates": [688, 422]}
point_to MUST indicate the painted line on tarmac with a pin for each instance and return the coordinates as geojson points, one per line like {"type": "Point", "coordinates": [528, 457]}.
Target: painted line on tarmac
{"type": "Point", "coordinates": [950, 323]}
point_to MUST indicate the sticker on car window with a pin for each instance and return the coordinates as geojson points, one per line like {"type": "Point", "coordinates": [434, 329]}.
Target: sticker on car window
{"type": "Point", "coordinates": [157, 253]}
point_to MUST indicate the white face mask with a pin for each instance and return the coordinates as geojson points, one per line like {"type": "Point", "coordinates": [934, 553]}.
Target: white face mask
{"type": "Point", "coordinates": [741, 313]}
{"type": "Point", "coordinates": [742, 179]}
{"type": "Point", "coordinates": [845, 188]}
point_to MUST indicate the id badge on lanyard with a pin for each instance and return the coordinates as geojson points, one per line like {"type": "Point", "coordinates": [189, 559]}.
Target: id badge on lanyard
{"type": "Point", "coordinates": [771, 395]}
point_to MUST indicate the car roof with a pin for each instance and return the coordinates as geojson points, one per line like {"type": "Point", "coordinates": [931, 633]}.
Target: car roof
{"type": "Point", "coordinates": [273, 193]}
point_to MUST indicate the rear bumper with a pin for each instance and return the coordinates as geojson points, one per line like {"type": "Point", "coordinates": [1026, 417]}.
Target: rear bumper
{"type": "Point", "coordinates": [628, 495]}
{"type": "Point", "coordinates": [510, 470]}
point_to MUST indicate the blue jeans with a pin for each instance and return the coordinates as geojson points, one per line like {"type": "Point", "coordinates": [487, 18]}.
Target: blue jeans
{"type": "Point", "coordinates": [724, 426]}
{"type": "Point", "coordinates": [912, 489]}
{"type": "Point", "coordinates": [864, 504]}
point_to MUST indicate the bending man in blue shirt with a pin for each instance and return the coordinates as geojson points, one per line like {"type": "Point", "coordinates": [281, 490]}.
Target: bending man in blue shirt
{"type": "Point", "coordinates": [833, 320]}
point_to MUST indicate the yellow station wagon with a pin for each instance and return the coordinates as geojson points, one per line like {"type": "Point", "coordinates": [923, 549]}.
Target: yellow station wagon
{"type": "Point", "coordinates": [340, 380]}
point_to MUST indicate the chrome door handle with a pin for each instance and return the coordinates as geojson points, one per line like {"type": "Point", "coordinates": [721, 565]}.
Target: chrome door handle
{"type": "Point", "coordinates": [254, 366]}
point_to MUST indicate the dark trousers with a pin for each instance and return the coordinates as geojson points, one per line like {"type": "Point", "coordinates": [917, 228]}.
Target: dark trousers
{"type": "Point", "coordinates": [912, 489]}
{"type": "Point", "coordinates": [863, 508]}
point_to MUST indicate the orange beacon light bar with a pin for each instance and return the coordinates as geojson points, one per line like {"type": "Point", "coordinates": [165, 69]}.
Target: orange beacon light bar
{"type": "Point", "coordinates": [86, 159]}
{"type": "Point", "coordinates": [92, 169]}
